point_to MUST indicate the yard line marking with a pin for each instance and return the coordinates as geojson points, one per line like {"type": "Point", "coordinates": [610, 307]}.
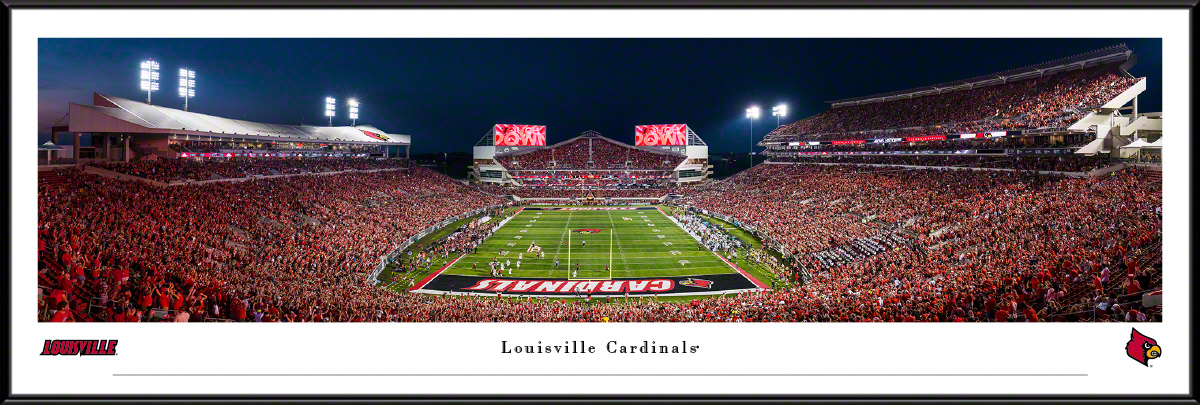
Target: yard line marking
{"type": "Point", "coordinates": [623, 260]}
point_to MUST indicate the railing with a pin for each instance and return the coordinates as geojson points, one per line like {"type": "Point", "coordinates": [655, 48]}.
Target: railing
{"type": "Point", "coordinates": [395, 252]}
{"type": "Point", "coordinates": [1095, 308]}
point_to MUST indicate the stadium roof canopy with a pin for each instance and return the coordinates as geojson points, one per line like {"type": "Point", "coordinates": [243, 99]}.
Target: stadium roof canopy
{"type": "Point", "coordinates": [118, 115]}
{"type": "Point", "coordinates": [1115, 53]}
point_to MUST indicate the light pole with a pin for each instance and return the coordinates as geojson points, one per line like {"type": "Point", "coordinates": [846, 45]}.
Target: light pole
{"type": "Point", "coordinates": [779, 111]}
{"type": "Point", "coordinates": [187, 85]}
{"type": "Point", "coordinates": [330, 103]}
{"type": "Point", "coordinates": [353, 112]}
{"type": "Point", "coordinates": [149, 77]}
{"type": "Point", "coordinates": [752, 113]}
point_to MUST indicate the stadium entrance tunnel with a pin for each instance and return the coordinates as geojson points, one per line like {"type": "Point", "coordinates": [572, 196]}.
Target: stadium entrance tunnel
{"type": "Point", "coordinates": [567, 288]}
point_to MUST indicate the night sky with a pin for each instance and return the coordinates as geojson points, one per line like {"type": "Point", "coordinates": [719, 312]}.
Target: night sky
{"type": "Point", "coordinates": [447, 93]}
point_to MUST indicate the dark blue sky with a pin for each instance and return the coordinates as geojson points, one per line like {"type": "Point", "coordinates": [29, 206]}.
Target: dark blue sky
{"type": "Point", "coordinates": [447, 93]}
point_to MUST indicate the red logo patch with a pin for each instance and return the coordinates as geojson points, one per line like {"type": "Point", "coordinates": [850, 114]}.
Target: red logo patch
{"type": "Point", "coordinates": [695, 282]}
{"type": "Point", "coordinates": [1142, 348]}
{"type": "Point", "coordinates": [588, 230]}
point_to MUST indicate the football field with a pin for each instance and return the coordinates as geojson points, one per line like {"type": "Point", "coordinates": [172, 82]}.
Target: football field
{"type": "Point", "coordinates": [601, 244]}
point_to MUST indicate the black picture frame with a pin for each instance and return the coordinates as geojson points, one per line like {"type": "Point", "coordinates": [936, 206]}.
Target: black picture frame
{"type": "Point", "coordinates": [1133, 398]}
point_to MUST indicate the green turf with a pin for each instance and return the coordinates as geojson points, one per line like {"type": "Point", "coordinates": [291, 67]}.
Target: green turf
{"type": "Point", "coordinates": [646, 245]}
{"type": "Point", "coordinates": [756, 270]}
{"type": "Point", "coordinates": [387, 276]}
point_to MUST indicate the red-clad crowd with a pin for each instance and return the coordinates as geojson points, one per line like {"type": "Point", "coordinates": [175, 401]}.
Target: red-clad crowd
{"type": "Point", "coordinates": [536, 192]}
{"type": "Point", "coordinates": [1006, 142]}
{"type": "Point", "coordinates": [879, 244]}
{"type": "Point", "coordinates": [1053, 163]}
{"type": "Point", "coordinates": [233, 146]}
{"type": "Point", "coordinates": [601, 152]}
{"type": "Point", "coordinates": [295, 248]}
{"type": "Point", "coordinates": [933, 245]}
{"type": "Point", "coordinates": [1054, 100]}
{"type": "Point", "coordinates": [168, 170]}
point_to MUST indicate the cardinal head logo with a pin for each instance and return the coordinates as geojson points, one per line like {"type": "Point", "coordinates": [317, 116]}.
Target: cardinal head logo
{"type": "Point", "coordinates": [1142, 348]}
{"type": "Point", "coordinates": [695, 282]}
{"type": "Point", "coordinates": [588, 230]}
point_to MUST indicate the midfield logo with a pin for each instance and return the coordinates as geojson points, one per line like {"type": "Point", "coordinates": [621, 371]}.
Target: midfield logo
{"type": "Point", "coordinates": [588, 230]}
{"type": "Point", "coordinates": [695, 282]}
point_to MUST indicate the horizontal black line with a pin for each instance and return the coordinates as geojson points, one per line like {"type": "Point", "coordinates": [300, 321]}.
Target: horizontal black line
{"type": "Point", "coordinates": [594, 375]}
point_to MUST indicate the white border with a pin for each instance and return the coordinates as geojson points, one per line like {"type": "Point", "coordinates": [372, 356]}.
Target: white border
{"type": "Point", "coordinates": [1094, 349]}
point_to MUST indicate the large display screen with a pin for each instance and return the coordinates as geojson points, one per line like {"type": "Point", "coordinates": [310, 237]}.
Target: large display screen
{"type": "Point", "coordinates": [520, 135]}
{"type": "Point", "coordinates": [661, 135]}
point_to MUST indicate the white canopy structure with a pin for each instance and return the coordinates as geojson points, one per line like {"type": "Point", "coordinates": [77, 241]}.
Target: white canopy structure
{"type": "Point", "coordinates": [118, 115]}
{"type": "Point", "coordinates": [1138, 144]}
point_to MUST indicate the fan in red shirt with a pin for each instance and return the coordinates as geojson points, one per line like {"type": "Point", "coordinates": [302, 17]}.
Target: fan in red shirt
{"type": "Point", "coordinates": [1132, 286]}
{"type": "Point", "coordinates": [1030, 315]}
{"type": "Point", "coordinates": [63, 314]}
{"type": "Point", "coordinates": [239, 311]}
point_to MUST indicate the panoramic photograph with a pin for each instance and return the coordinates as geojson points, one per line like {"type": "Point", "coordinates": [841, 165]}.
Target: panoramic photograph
{"type": "Point", "coordinates": [219, 180]}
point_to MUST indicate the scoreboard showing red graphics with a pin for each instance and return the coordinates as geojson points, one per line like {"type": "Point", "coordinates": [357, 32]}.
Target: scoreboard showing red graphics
{"type": "Point", "coordinates": [661, 135]}
{"type": "Point", "coordinates": [520, 135]}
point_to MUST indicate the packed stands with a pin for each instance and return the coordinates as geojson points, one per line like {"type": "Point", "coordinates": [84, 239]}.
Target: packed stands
{"type": "Point", "coordinates": [590, 163]}
{"type": "Point", "coordinates": [297, 247]}
{"type": "Point", "coordinates": [1060, 163]}
{"type": "Point", "coordinates": [1069, 141]}
{"type": "Point", "coordinates": [236, 146]}
{"type": "Point", "coordinates": [934, 245]}
{"type": "Point", "coordinates": [536, 192]}
{"type": "Point", "coordinates": [168, 170]}
{"type": "Point", "coordinates": [885, 245]}
{"type": "Point", "coordinates": [1055, 100]}
{"type": "Point", "coordinates": [591, 153]}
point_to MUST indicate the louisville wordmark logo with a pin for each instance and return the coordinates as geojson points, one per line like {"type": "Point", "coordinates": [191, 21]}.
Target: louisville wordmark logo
{"type": "Point", "coordinates": [80, 347]}
{"type": "Point", "coordinates": [695, 282]}
{"type": "Point", "coordinates": [588, 230]}
{"type": "Point", "coordinates": [1142, 348]}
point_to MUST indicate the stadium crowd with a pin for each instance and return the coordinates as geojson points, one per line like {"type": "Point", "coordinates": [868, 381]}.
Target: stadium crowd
{"type": "Point", "coordinates": [168, 170]}
{"type": "Point", "coordinates": [1007, 142]}
{"type": "Point", "coordinates": [1048, 101]}
{"type": "Point", "coordinates": [226, 146]}
{"type": "Point", "coordinates": [1055, 163]}
{"type": "Point", "coordinates": [284, 249]}
{"type": "Point", "coordinates": [970, 246]}
{"type": "Point", "coordinates": [536, 192]}
{"type": "Point", "coordinates": [959, 246]}
{"type": "Point", "coordinates": [603, 154]}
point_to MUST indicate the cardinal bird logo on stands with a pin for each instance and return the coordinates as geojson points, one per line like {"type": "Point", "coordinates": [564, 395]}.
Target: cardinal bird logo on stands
{"type": "Point", "coordinates": [1142, 348]}
{"type": "Point", "coordinates": [375, 135]}
{"type": "Point", "coordinates": [695, 282]}
{"type": "Point", "coordinates": [588, 230]}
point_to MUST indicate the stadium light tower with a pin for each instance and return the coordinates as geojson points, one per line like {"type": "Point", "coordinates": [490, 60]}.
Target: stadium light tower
{"type": "Point", "coordinates": [149, 77]}
{"type": "Point", "coordinates": [353, 111]}
{"type": "Point", "coordinates": [187, 85]}
{"type": "Point", "coordinates": [752, 113]}
{"type": "Point", "coordinates": [779, 111]}
{"type": "Point", "coordinates": [329, 107]}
